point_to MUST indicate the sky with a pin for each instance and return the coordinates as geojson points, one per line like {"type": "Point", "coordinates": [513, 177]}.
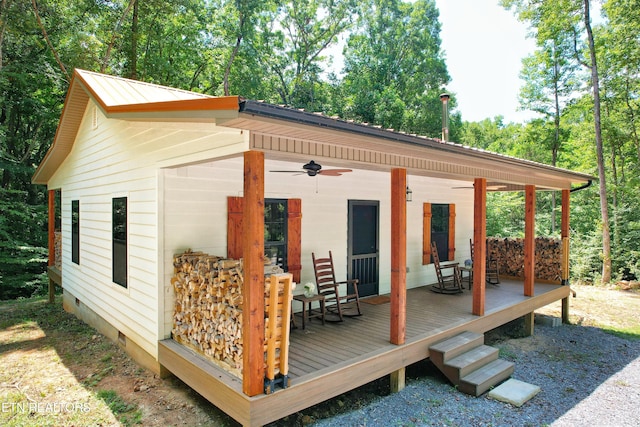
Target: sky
{"type": "Point", "coordinates": [484, 45]}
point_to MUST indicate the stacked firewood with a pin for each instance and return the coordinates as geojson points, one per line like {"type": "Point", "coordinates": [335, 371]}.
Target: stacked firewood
{"type": "Point", "coordinates": [509, 254]}
{"type": "Point", "coordinates": [208, 311]}
{"type": "Point", "coordinates": [208, 307]}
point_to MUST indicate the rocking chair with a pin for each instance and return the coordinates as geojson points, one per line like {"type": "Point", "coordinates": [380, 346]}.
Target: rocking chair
{"type": "Point", "coordinates": [492, 275]}
{"type": "Point", "coordinates": [342, 305]}
{"type": "Point", "coordinates": [449, 277]}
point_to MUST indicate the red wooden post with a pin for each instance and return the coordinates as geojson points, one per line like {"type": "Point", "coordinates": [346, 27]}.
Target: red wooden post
{"type": "Point", "coordinates": [564, 226]}
{"type": "Point", "coordinates": [398, 255]}
{"type": "Point", "coordinates": [479, 245]}
{"type": "Point", "coordinates": [529, 239]}
{"type": "Point", "coordinates": [253, 287]}
{"type": "Point", "coordinates": [52, 227]}
{"type": "Point", "coordinates": [51, 238]}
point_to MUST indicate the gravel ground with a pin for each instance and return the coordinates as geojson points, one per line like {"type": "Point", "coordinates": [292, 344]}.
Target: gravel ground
{"type": "Point", "coordinates": [587, 377]}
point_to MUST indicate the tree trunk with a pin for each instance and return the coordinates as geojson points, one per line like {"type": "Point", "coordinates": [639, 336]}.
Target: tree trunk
{"type": "Point", "coordinates": [234, 52]}
{"type": "Point", "coordinates": [606, 234]}
{"type": "Point", "coordinates": [3, 26]}
{"type": "Point", "coordinates": [556, 134]}
{"type": "Point", "coordinates": [133, 59]}
{"type": "Point", "coordinates": [48, 41]}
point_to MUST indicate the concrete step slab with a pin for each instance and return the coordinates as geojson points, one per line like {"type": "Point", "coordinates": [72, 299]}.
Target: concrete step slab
{"type": "Point", "coordinates": [515, 392]}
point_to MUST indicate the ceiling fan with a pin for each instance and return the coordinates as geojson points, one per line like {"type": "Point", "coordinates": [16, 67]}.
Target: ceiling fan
{"type": "Point", "coordinates": [312, 169]}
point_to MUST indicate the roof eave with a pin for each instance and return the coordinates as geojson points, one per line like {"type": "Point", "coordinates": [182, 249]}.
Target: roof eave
{"type": "Point", "coordinates": [80, 91]}
{"type": "Point", "coordinates": [301, 117]}
{"type": "Point", "coordinates": [74, 106]}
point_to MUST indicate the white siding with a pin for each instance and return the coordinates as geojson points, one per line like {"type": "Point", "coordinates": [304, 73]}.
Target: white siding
{"type": "Point", "coordinates": [195, 209]}
{"type": "Point", "coordinates": [114, 159]}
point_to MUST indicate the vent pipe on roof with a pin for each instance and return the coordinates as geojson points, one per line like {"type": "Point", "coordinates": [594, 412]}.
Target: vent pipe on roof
{"type": "Point", "coordinates": [445, 116]}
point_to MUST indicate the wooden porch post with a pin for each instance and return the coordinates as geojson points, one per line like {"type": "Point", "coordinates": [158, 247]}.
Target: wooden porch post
{"type": "Point", "coordinates": [564, 233]}
{"type": "Point", "coordinates": [479, 245]}
{"type": "Point", "coordinates": [398, 268]}
{"type": "Point", "coordinates": [398, 255]}
{"type": "Point", "coordinates": [529, 239]}
{"type": "Point", "coordinates": [51, 240]}
{"type": "Point", "coordinates": [253, 286]}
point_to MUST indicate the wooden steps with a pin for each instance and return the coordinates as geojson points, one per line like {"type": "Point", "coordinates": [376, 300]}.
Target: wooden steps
{"type": "Point", "coordinates": [469, 364]}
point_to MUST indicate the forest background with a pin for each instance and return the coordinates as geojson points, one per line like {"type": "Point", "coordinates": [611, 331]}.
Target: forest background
{"type": "Point", "coordinates": [583, 81]}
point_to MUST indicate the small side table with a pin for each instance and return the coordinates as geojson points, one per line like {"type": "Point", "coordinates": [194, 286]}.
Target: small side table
{"type": "Point", "coordinates": [469, 271]}
{"type": "Point", "coordinates": [307, 311]}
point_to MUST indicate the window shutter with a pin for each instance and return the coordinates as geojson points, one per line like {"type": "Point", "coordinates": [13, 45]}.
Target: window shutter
{"type": "Point", "coordinates": [452, 232]}
{"type": "Point", "coordinates": [426, 234]}
{"type": "Point", "coordinates": [234, 227]}
{"type": "Point", "coordinates": [294, 237]}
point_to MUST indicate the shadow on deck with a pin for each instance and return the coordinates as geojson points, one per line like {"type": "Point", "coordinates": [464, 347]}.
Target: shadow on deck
{"type": "Point", "coordinates": [326, 361]}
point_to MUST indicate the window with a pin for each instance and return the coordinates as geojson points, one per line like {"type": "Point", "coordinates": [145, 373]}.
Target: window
{"type": "Point", "coordinates": [275, 231]}
{"type": "Point", "coordinates": [439, 225]}
{"type": "Point", "coordinates": [75, 231]}
{"type": "Point", "coordinates": [119, 241]}
{"type": "Point", "coordinates": [283, 220]}
{"type": "Point", "coordinates": [440, 229]}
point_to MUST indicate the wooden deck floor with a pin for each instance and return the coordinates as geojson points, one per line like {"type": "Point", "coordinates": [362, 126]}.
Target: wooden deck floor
{"type": "Point", "coordinates": [318, 347]}
{"type": "Point", "coordinates": [327, 360]}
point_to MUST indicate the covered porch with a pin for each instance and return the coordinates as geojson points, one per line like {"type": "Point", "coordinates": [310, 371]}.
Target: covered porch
{"type": "Point", "coordinates": [328, 360]}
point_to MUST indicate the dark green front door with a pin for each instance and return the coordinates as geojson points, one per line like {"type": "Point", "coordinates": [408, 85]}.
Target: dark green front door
{"type": "Point", "coordinates": [363, 245]}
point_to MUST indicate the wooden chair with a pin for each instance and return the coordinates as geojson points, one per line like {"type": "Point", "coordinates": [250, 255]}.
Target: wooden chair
{"type": "Point", "coordinates": [492, 275]}
{"type": "Point", "coordinates": [342, 305]}
{"type": "Point", "coordinates": [449, 278]}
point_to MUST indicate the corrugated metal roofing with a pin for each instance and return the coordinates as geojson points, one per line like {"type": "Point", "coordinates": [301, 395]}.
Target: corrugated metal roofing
{"type": "Point", "coordinates": [116, 91]}
{"type": "Point", "coordinates": [133, 100]}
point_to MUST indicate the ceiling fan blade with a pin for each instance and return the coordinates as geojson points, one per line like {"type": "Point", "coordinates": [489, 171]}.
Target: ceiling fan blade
{"type": "Point", "coordinates": [298, 171]}
{"type": "Point", "coordinates": [489, 187]}
{"type": "Point", "coordinates": [334, 172]}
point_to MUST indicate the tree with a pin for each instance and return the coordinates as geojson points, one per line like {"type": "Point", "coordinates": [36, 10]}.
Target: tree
{"type": "Point", "coordinates": [394, 67]}
{"type": "Point", "coordinates": [550, 82]}
{"type": "Point", "coordinates": [32, 89]}
{"type": "Point", "coordinates": [571, 18]}
{"type": "Point", "coordinates": [291, 47]}
{"type": "Point", "coordinates": [595, 85]}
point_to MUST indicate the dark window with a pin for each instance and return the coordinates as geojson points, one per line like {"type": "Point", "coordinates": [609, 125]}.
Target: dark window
{"type": "Point", "coordinates": [119, 252]}
{"type": "Point", "coordinates": [75, 231]}
{"type": "Point", "coordinates": [440, 229]}
{"type": "Point", "coordinates": [275, 231]}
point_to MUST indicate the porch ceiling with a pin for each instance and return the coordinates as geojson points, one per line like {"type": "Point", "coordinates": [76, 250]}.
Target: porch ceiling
{"type": "Point", "coordinates": [288, 134]}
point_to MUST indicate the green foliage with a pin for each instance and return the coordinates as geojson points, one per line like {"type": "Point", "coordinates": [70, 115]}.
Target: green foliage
{"type": "Point", "coordinates": [586, 256]}
{"type": "Point", "coordinates": [23, 255]}
{"type": "Point", "coordinates": [394, 68]}
{"type": "Point", "coordinates": [280, 51]}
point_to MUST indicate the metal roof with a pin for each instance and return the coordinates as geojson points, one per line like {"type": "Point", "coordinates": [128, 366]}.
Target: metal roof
{"type": "Point", "coordinates": [287, 133]}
